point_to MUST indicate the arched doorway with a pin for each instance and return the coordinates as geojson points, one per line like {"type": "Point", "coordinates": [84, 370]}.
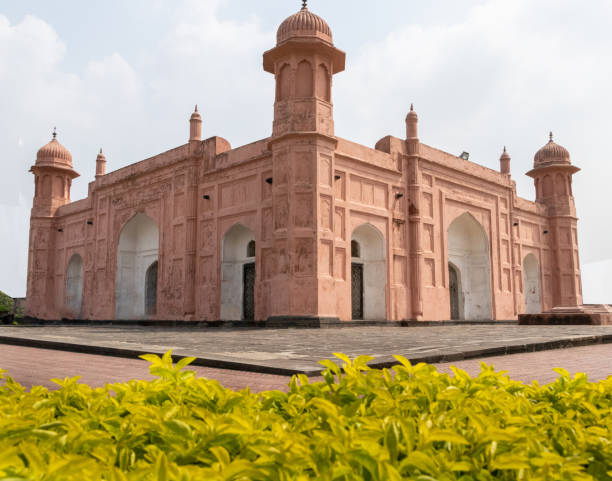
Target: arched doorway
{"type": "Point", "coordinates": [454, 287]}
{"type": "Point", "coordinates": [137, 251]}
{"type": "Point", "coordinates": [368, 273]}
{"type": "Point", "coordinates": [468, 254]}
{"type": "Point", "coordinates": [238, 274]}
{"type": "Point", "coordinates": [531, 285]}
{"type": "Point", "coordinates": [74, 286]}
{"type": "Point", "coordinates": [151, 289]}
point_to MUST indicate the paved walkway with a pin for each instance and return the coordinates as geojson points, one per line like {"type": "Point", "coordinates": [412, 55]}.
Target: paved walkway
{"type": "Point", "coordinates": [285, 351]}
{"type": "Point", "coordinates": [32, 366]}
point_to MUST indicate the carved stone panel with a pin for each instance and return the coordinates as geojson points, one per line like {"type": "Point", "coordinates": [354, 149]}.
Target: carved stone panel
{"type": "Point", "coordinates": [303, 214]}
{"type": "Point", "coordinates": [339, 224]}
{"type": "Point", "coordinates": [303, 258]}
{"type": "Point", "coordinates": [326, 213]}
{"type": "Point", "coordinates": [281, 212]}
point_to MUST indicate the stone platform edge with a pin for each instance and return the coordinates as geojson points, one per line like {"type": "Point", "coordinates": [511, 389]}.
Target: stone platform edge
{"type": "Point", "coordinates": [382, 362]}
{"type": "Point", "coordinates": [271, 323]}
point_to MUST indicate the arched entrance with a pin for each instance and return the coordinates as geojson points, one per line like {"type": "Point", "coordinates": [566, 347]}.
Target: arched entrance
{"type": "Point", "coordinates": [238, 274]}
{"type": "Point", "coordinates": [468, 254]}
{"type": "Point", "coordinates": [368, 273]}
{"type": "Point", "coordinates": [531, 285]}
{"type": "Point", "coordinates": [151, 289]}
{"type": "Point", "coordinates": [137, 252]}
{"type": "Point", "coordinates": [74, 286]}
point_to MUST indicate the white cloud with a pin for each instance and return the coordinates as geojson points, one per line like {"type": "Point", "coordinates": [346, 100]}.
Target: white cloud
{"type": "Point", "coordinates": [504, 74]}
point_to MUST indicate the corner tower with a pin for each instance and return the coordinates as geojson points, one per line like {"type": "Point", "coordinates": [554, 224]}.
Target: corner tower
{"type": "Point", "coordinates": [303, 63]}
{"type": "Point", "coordinates": [552, 173]}
{"type": "Point", "coordinates": [53, 174]}
{"type": "Point", "coordinates": [293, 278]}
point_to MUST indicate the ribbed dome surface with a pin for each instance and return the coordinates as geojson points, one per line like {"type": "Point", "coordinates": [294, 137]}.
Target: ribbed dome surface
{"type": "Point", "coordinates": [54, 152]}
{"type": "Point", "coordinates": [551, 153]}
{"type": "Point", "coordinates": [304, 24]}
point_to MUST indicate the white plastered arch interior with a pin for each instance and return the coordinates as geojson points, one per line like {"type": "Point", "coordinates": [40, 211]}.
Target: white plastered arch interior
{"type": "Point", "coordinates": [235, 248]}
{"type": "Point", "coordinates": [74, 286]}
{"type": "Point", "coordinates": [138, 248]}
{"type": "Point", "coordinates": [372, 254]}
{"type": "Point", "coordinates": [531, 285]}
{"type": "Point", "coordinates": [468, 251]}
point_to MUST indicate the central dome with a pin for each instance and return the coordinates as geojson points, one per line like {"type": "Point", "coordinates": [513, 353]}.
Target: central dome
{"type": "Point", "coordinates": [304, 24]}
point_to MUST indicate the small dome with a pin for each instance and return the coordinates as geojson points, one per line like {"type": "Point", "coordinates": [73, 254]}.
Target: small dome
{"type": "Point", "coordinates": [505, 155]}
{"type": "Point", "coordinates": [551, 153]}
{"type": "Point", "coordinates": [54, 152]}
{"type": "Point", "coordinates": [412, 115]}
{"type": "Point", "coordinates": [100, 157]}
{"type": "Point", "coordinates": [196, 115]}
{"type": "Point", "coordinates": [304, 24]}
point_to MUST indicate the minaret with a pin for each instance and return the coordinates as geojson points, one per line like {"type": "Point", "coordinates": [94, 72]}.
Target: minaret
{"type": "Point", "coordinates": [100, 165]}
{"type": "Point", "coordinates": [53, 174]}
{"type": "Point", "coordinates": [412, 131]}
{"type": "Point", "coordinates": [504, 162]}
{"type": "Point", "coordinates": [195, 129]}
{"type": "Point", "coordinates": [303, 63]}
{"type": "Point", "coordinates": [552, 173]}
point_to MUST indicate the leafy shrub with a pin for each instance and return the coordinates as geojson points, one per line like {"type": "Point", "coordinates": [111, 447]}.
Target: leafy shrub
{"type": "Point", "coordinates": [409, 423]}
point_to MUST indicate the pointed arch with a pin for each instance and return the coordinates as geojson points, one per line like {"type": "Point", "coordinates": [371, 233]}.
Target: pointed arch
{"type": "Point", "coordinates": [369, 274]}
{"type": "Point", "coordinates": [137, 250]}
{"type": "Point", "coordinates": [283, 86]}
{"type": "Point", "coordinates": [238, 274]}
{"type": "Point", "coordinates": [531, 285]}
{"type": "Point", "coordinates": [323, 83]}
{"type": "Point", "coordinates": [304, 80]}
{"type": "Point", "coordinates": [74, 286]}
{"type": "Point", "coordinates": [468, 251]}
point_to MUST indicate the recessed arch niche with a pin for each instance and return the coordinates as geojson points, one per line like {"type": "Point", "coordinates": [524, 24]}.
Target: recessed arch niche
{"type": "Point", "coordinates": [238, 274]}
{"type": "Point", "coordinates": [531, 285]}
{"type": "Point", "coordinates": [468, 253]}
{"type": "Point", "coordinates": [137, 251]}
{"type": "Point", "coordinates": [74, 286]}
{"type": "Point", "coordinates": [368, 273]}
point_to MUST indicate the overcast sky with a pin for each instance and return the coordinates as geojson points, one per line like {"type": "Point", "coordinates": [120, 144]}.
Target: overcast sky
{"type": "Point", "coordinates": [124, 75]}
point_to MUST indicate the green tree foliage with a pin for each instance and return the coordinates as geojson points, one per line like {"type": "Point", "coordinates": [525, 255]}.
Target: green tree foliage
{"type": "Point", "coordinates": [6, 303]}
{"type": "Point", "coordinates": [358, 424]}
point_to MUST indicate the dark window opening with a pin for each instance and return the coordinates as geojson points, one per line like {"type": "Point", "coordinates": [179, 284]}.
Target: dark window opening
{"type": "Point", "coordinates": [251, 249]}
{"type": "Point", "coordinates": [355, 249]}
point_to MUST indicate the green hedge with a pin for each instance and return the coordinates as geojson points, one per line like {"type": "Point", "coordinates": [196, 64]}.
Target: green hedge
{"type": "Point", "coordinates": [409, 423]}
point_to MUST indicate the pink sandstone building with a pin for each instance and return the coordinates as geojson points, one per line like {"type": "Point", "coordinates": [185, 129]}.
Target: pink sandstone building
{"type": "Point", "coordinates": [303, 224]}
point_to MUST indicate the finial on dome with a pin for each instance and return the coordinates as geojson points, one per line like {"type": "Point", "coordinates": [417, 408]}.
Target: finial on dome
{"type": "Point", "coordinates": [505, 151]}
{"type": "Point", "coordinates": [54, 132]}
{"type": "Point", "coordinates": [412, 107]}
{"type": "Point", "coordinates": [304, 4]}
{"type": "Point", "coordinates": [550, 135]}
{"type": "Point", "coordinates": [196, 107]}
{"type": "Point", "coordinates": [100, 149]}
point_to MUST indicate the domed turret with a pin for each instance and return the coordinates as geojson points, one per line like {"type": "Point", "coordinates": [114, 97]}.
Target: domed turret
{"type": "Point", "coordinates": [54, 153]}
{"type": "Point", "coordinates": [550, 154]}
{"type": "Point", "coordinates": [304, 24]}
{"type": "Point", "coordinates": [53, 174]}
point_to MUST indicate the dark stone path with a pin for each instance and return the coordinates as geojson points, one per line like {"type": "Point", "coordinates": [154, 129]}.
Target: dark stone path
{"type": "Point", "coordinates": [286, 351]}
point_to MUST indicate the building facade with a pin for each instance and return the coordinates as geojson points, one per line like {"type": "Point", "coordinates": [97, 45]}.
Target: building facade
{"type": "Point", "coordinates": [303, 224]}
